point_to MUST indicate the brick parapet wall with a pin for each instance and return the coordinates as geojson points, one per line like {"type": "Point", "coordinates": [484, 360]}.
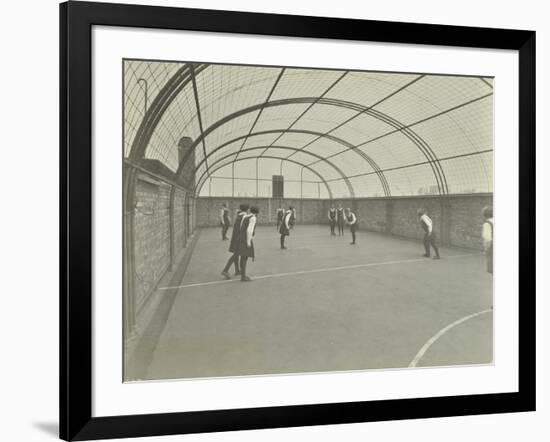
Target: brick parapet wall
{"type": "Point", "coordinates": [151, 236]}
{"type": "Point", "coordinates": [179, 221]}
{"type": "Point", "coordinates": [457, 218]}
{"type": "Point", "coordinates": [161, 224]}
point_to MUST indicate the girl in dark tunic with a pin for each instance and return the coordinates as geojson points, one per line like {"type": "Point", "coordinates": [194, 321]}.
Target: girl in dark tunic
{"type": "Point", "coordinates": [225, 221]}
{"type": "Point", "coordinates": [285, 227]}
{"type": "Point", "coordinates": [246, 245]}
{"type": "Point", "coordinates": [280, 213]}
{"type": "Point", "coordinates": [332, 219]}
{"type": "Point", "coordinates": [292, 219]}
{"type": "Point", "coordinates": [340, 220]}
{"type": "Point", "coordinates": [234, 243]}
{"type": "Point", "coordinates": [351, 220]}
{"type": "Point", "coordinates": [429, 235]}
{"type": "Point", "coordinates": [487, 236]}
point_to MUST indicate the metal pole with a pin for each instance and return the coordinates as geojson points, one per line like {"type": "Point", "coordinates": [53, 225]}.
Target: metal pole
{"type": "Point", "coordinates": [233, 180]}
{"type": "Point", "coordinates": [210, 187]}
{"type": "Point", "coordinates": [257, 181]}
{"type": "Point", "coordinates": [281, 173]}
{"type": "Point", "coordinates": [171, 229]}
{"type": "Point", "coordinates": [302, 183]}
{"type": "Point", "coordinates": [145, 87]}
{"type": "Point", "coordinates": [130, 250]}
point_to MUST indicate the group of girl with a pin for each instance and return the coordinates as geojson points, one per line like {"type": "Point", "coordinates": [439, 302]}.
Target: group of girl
{"type": "Point", "coordinates": [241, 245]}
{"type": "Point", "coordinates": [339, 217]}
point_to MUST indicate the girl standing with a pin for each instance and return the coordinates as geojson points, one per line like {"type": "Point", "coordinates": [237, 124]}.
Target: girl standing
{"type": "Point", "coordinates": [280, 214]}
{"type": "Point", "coordinates": [225, 221]}
{"type": "Point", "coordinates": [285, 227]}
{"type": "Point", "coordinates": [246, 245]}
{"type": "Point", "coordinates": [332, 219]}
{"type": "Point", "coordinates": [429, 235]}
{"type": "Point", "coordinates": [340, 220]}
{"type": "Point", "coordinates": [351, 220]}
{"type": "Point", "coordinates": [292, 217]}
{"type": "Point", "coordinates": [234, 244]}
{"type": "Point", "coordinates": [487, 236]}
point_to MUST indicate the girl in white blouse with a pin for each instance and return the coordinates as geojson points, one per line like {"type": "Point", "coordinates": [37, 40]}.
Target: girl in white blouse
{"type": "Point", "coordinates": [351, 221]}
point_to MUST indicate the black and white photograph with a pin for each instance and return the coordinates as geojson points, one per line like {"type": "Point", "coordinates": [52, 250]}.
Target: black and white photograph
{"type": "Point", "coordinates": [275, 221]}
{"type": "Point", "coordinates": [288, 220]}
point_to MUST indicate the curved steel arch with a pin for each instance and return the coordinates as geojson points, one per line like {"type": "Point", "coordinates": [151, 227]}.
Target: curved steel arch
{"type": "Point", "coordinates": [334, 166]}
{"type": "Point", "coordinates": [214, 169]}
{"type": "Point", "coordinates": [158, 107]}
{"type": "Point", "coordinates": [374, 166]}
{"type": "Point", "coordinates": [164, 98]}
{"type": "Point", "coordinates": [424, 147]}
{"type": "Point", "coordinates": [184, 75]}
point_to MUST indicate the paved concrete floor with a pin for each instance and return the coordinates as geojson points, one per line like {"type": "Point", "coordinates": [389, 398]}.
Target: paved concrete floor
{"type": "Point", "coordinates": [324, 305]}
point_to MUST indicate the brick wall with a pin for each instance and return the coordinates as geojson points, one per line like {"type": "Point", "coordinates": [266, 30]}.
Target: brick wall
{"type": "Point", "coordinates": [151, 235]}
{"type": "Point", "coordinates": [403, 220]}
{"type": "Point", "coordinates": [307, 211]}
{"type": "Point", "coordinates": [179, 221]}
{"type": "Point", "coordinates": [372, 215]}
{"type": "Point", "coordinates": [466, 220]}
{"type": "Point", "coordinates": [158, 224]}
{"type": "Point", "coordinates": [158, 238]}
{"type": "Point", "coordinates": [457, 218]}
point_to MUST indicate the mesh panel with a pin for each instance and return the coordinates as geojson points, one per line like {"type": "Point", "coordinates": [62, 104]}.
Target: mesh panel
{"type": "Point", "coordinates": [322, 117]}
{"type": "Point", "coordinates": [471, 174]}
{"type": "Point", "coordinates": [280, 117]}
{"type": "Point", "coordinates": [395, 150]}
{"type": "Point", "coordinates": [368, 185]}
{"type": "Point", "coordinates": [305, 83]}
{"type": "Point", "coordinates": [416, 180]}
{"type": "Point", "coordinates": [350, 160]}
{"type": "Point", "coordinates": [362, 128]}
{"type": "Point", "coordinates": [430, 95]}
{"type": "Point", "coordinates": [450, 118]}
{"type": "Point", "coordinates": [225, 89]}
{"type": "Point", "coordinates": [464, 130]}
{"type": "Point", "coordinates": [261, 140]}
{"type": "Point", "coordinates": [368, 88]}
{"type": "Point", "coordinates": [236, 128]}
{"type": "Point", "coordinates": [141, 77]}
{"type": "Point", "coordinates": [325, 147]}
{"type": "Point", "coordinates": [297, 140]}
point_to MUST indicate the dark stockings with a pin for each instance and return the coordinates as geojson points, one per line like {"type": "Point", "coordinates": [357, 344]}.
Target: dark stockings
{"type": "Point", "coordinates": [244, 260]}
{"type": "Point", "coordinates": [234, 259]}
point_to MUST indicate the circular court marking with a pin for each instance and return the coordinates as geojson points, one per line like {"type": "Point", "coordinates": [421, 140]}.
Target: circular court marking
{"type": "Point", "coordinates": [440, 333]}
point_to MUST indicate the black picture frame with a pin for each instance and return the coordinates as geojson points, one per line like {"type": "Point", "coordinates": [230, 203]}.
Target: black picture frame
{"type": "Point", "coordinates": [76, 21]}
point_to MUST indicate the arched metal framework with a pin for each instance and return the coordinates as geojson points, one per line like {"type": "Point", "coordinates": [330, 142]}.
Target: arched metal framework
{"type": "Point", "coordinates": [186, 77]}
{"type": "Point", "coordinates": [205, 174]}
{"type": "Point", "coordinates": [160, 104]}
{"type": "Point", "coordinates": [216, 166]}
{"type": "Point", "coordinates": [397, 127]}
{"type": "Point", "coordinates": [333, 138]}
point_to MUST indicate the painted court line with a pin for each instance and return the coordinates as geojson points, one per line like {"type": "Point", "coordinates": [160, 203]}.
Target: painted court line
{"type": "Point", "coordinates": [304, 272]}
{"type": "Point", "coordinates": [440, 333]}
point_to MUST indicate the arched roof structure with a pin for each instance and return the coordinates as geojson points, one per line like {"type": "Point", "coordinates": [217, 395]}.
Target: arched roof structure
{"type": "Point", "coordinates": [360, 134]}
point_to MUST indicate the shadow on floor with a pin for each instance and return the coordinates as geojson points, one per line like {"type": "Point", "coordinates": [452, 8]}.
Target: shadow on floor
{"type": "Point", "coordinates": [49, 428]}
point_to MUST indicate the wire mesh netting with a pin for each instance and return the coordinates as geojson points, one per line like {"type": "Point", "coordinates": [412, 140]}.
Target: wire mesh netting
{"type": "Point", "coordinates": [331, 133]}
